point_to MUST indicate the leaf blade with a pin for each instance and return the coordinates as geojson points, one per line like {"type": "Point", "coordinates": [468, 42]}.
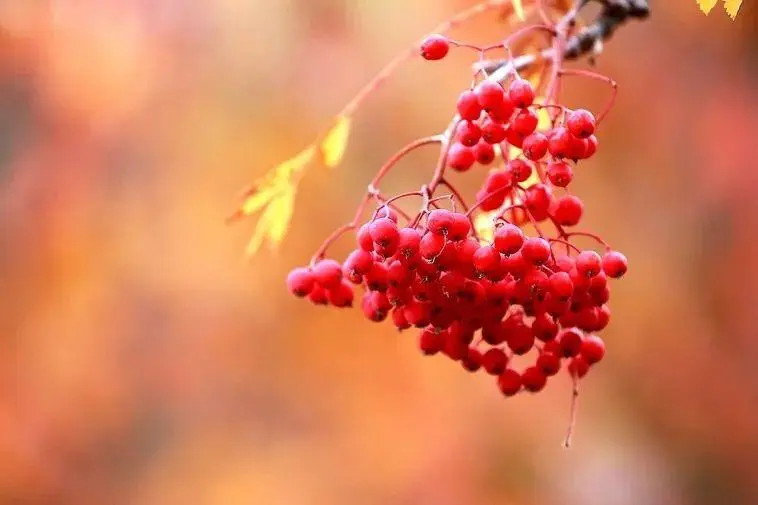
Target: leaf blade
{"type": "Point", "coordinates": [335, 142]}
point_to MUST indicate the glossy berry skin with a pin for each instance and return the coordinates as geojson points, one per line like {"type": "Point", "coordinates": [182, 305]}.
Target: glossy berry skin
{"type": "Point", "coordinates": [578, 367]}
{"type": "Point", "coordinates": [560, 142]}
{"type": "Point", "coordinates": [341, 295]}
{"type": "Point", "coordinates": [490, 95]}
{"type": "Point", "coordinates": [492, 132]}
{"type": "Point", "coordinates": [560, 285]}
{"type": "Point", "coordinates": [494, 361]}
{"type": "Point", "coordinates": [593, 349]}
{"type": "Point", "coordinates": [521, 93]}
{"type": "Point", "coordinates": [568, 210]}
{"type": "Point", "coordinates": [581, 123]}
{"type": "Point", "coordinates": [328, 273]}
{"type": "Point", "coordinates": [431, 342]}
{"type": "Point", "coordinates": [525, 122]}
{"type": "Point", "coordinates": [614, 264]}
{"type": "Point", "coordinates": [440, 221]}
{"type": "Point", "coordinates": [569, 342]}
{"type": "Point", "coordinates": [535, 146]}
{"type": "Point", "coordinates": [548, 363]}
{"type": "Point", "coordinates": [508, 239]}
{"type": "Point", "coordinates": [460, 157]}
{"type": "Point", "coordinates": [300, 282]}
{"type": "Point", "coordinates": [520, 170]}
{"type": "Point", "coordinates": [484, 153]}
{"type": "Point", "coordinates": [560, 173]}
{"type": "Point", "coordinates": [536, 250]}
{"type": "Point", "coordinates": [435, 47]}
{"type": "Point", "coordinates": [509, 382]}
{"type": "Point", "coordinates": [383, 231]}
{"type": "Point", "coordinates": [469, 133]}
{"type": "Point", "coordinates": [486, 259]}
{"type": "Point", "coordinates": [588, 263]}
{"type": "Point", "coordinates": [533, 379]}
{"type": "Point", "coordinates": [358, 262]}
{"type": "Point", "coordinates": [431, 246]}
{"type": "Point", "coordinates": [468, 106]}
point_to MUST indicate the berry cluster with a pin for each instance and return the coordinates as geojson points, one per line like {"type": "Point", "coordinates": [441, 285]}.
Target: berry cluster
{"type": "Point", "coordinates": [483, 296]}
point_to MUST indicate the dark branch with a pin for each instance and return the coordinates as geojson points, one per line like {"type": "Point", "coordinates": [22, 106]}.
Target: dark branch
{"type": "Point", "coordinates": [614, 14]}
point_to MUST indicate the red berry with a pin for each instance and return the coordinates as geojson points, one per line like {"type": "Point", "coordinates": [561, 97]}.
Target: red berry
{"type": "Point", "coordinates": [578, 367]}
{"type": "Point", "coordinates": [544, 327]}
{"type": "Point", "coordinates": [581, 123]}
{"type": "Point", "coordinates": [383, 231]}
{"type": "Point", "coordinates": [559, 142]}
{"type": "Point", "coordinates": [358, 262]}
{"type": "Point", "coordinates": [439, 221]}
{"type": "Point", "coordinates": [431, 246]}
{"type": "Point", "coordinates": [560, 285]}
{"type": "Point", "coordinates": [472, 361]}
{"type": "Point", "coordinates": [460, 157]}
{"type": "Point", "coordinates": [468, 106]}
{"type": "Point", "coordinates": [525, 122]}
{"type": "Point", "coordinates": [538, 199]}
{"type": "Point", "coordinates": [509, 382]}
{"type": "Point", "coordinates": [408, 241]}
{"type": "Point", "coordinates": [503, 112]}
{"type": "Point", "coordinates": [398, 275]}
{"type": "Point", "coordinates": [459, 228]}
{"type": "Point", "coordinates": [508, 239]}
{"type": "Point", "coordinates": [588, 263]}
{"type": "Point", "coordinates": [615, 264]}
{"type": "Point", "coordinates": [548, 363]}
{"type": "Point", "coordinates": [520, 170]}
{"type": "Point", "coordinates": [486, 259]}
{"type": "Point", "coordinates": [376, 277]}
{"type": "Point", "coordinates": [570, 342]}
{"type": "Point", "coordinates": [300, 282]}
{"type": "Point", "coordinates": [484, 153]}
{"type": "Point", "coordinates": [591, 147]}
{"type": "Point", "coordinates": [568, 210]}
{"type": "Point", "coordinates": [534, 380]}
{"type": "Point", "coordinates": [521, 93]}
{"type": "Point", "coordinates": [340, 295]}
{"type": "Point", "coordinates": [328, 273]}
{"type": "Point", "coordinates": [318, 296]}
{"type": "Point", "coordinates": [560, 173]}
{"type": "Point", "coordinates": [593, 349]}
{"type": "Point", "coordinates": [535, 146]}
{"type": "Point", "coordinates": [492, 132]}
{"type": "Point", "coordinates": [469, 133]}
{"type": "Point", "coordinates": [490, 95]}
{"type": "Point", "coordinates": [435, 47]}
{"type": "Point", "coordinates": [536, 250]}
{"type": "Point", "coordinates": [431, 342]}
{"type": "Point", "coordinates": [513, 137]}
{"type": "Point", "coordinates": [399, 320]}
{"type": "Point", "coordinates": [364, 238]}
{"type": "Point", "coordinates": [494, 361]}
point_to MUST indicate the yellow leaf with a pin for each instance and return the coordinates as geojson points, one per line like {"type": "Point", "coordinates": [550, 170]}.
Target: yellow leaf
{"type": "Point", "coordinates": [286, 169]}
{"type": "Point", "coordinates": [707, 5]}
{"type": "Point", "coordinates": [732, 7]}
{"type": "Point", "coordinates": [518, 8]}
{"type": "Point", "coordinates": [256, 201]}
{"type": "Point", "coordinates": [484, 226]}
{"type": "Point", "coordinates": [334, 144]}
{"type": "Point", "coordinates": [274, 221]}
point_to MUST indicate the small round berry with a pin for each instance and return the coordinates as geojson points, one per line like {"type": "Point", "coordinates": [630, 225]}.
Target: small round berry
{"type": "Point", "coordinates": [460, 157]}
{"type": "Point", "coordinates": [568, 210]}
{"type": "Point", "coordinates": [559, 142]}
{"type": "Point", "coordinates": [358, 262]}
{"type": "Point", "coordinates": [538, 199]}
{"type": "Point", "coordinates": [521, 93]}
{"type": "Point", "coordinates": [560, 285]}
{"type": "Point", "coordinates": [484, 153]}
{"type": "Point", "coordinates": [439, 221]}
{"type": "Point", "coordinates": [459, 228]}
{"type": "Point", "coordinates": [593, 349]}
{"type": "Point", "coordinates": [469, 133]}
{"type": "Point", "coordinates": [340, 295]}
{"type": "Point", "coordinates": [581, 123]}
{"type": "Point", "coordinates": [525, 122]}
{"type": "Point", "coordinates": [536, 250]}
{"type": "Point", "coordinates": [591, 147]}
{"type": "Point", "coordinates": [508, 239]}
{"type": "Point", "coordinates": [408, 241]}
{"type": "Point", "coordinates": [588, 263]}
{"type": "Point", "coordinates": [490, 94]}
{"type": "Point", "coordinates": [615, 264]}
{"type": "Point", "coordinates": [435, 47]}
{"type": "Point", "coordinates": [503, 112]}
{"type": "Point", "coordinates": [544, 327]}
{"type": "Point", "coordinates": [534, 380]}
{"type": "Point", "coordinates": [494, 361]}
{"type": "Point", "coordinates": [328, 273]}
{"type": "Point", "coordinates": [578, 367]}
{"type": "Point", "coordinates": [520, 170]}
{"type": "Point", "coordinates": [570, 342]}
{"type": "Point", "coordinates": [383, 231]}
{"type": "Point", "coordinates": [560, 173]}
{"type": "Point", "coordinates": [431, 246]}
{"type": "Point", "coordinates": [468, 105]}
{"type": "Point", "coordinates": [398, 274]}
{"type": "Point", "coordinates": [509, 382]}
{"type": "Point", "coordinates": [431, 342]}
{"type": "Point", "coordinates": [548, 363]}
{"type": "Point", "coordinates": [376, 278]}
{"type": "Point", "coordinates": [365, 241]}
{"type": "Point", "coordinates": [513, 137]}
{"type": "Point", "coordinates": [535, 146]}
{"type": "Point", "coordinates": [472, 361]}
{"type": "Point", "coordinates": [576, 148]}
{"type": "Point", "coordinates": [318, 296]}
{"type": "Point", "coordinates": [520, 340]}
{"type": "Point", "coordinates": [399, 320]}
{"type": "Point", "coordinates": [300, 282]}
{"type": "Point", "coordinates": [492, 131]}
{"type": "Point", "coordinates": [486, 259]}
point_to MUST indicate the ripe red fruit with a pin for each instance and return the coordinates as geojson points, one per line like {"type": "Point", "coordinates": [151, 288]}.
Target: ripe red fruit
{"type": "Point", "coordinates": [399, 320]}
{"type": "Point", "coordinates": [509, 382]}
{"type": "Point", "coordinates": [521, 93]}
{"type": "Point", "coordinates": [492, 132]}
{"type": "Point", "coordinates": [472, 361]}
{"type": "Point", "coordinates": [364, 238]}
{"type": "Point", "coordinates": [484, 153]}
{"type": "Point", "coordinates": [525, 122]}
{"type": "Point", "coordinates": [503, 112]}
{"type": "Point", "coordinates": [559, 142]}
{"type": "Point", "coordinates": [358, 262]}
{"type": "Point", "coordinates": [494, 361]}
{"type": "Point", "coordinates": [328, 273]}
{"type": "Point", "coordinates": [535, 146]}
{"type": "Point", "coordinates": [340, 295]}
{"type": "Point", "coordinates": [460, 157]}
{"type": "Point", "coordinates": [581, 123]}
{"type": "Point", "coordinates": [588, 263]}
{"type": "Point", "coordinates": [568, 210]}
{"type": "Point", "coordinates": [615, 264]}
{"type": "Point", "coordinates": [534, 380]}
{"type": "Point", "coordinates": [560, 173]}
{"type": "Point", "coordinates": [408, 242]}
{"type": "Point", "coordinates": [431, 246]}
{"type": "Point", "coordinates": [435, 47]}
{"type": "Point", "coordinates": [569, 342]}
{"type": "Point", "coordinates": [300, 282]}
{"type": "Point", "coordinates": [469, 133]}
{"type": "Point", "coordinates": [490, 94]}
{"type": "Point", "coordinates": [318, 296]}
{"type": "Point", "coordinates": [560, 285]}
{"type": "Point", "coordinates": [538, 200]}
{"type": "Point", "coordinates": [383, 231]}
{"type": "Point", "coordinates": [376, 277]}
{"type": "Point", "coordinates": [520, 170]}
{"type": "Point", "coordinates": [468, 105]}
{"type": "Point", "coordinates": [578, 367]}
{"type": "Point", "coordinates": [459, 228]}
{"type": "Point", "coordinates": [508, 239]}
{"type": "Point", "coordinates": [593, 349]}
{"type": "Point", "coordinates": [431, 342]}
{"type": "Point", "coordinates": [548, 363]}
{"type": "Point", "coordinates": [486, 259]}
{"type": "Point", "coordinates": [536, 250]}
{"type": "Point", "coordinates": [439, 221]}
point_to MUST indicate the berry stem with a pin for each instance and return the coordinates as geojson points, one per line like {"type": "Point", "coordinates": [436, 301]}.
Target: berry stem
{"type": "Point", "coordinates": [572, 418]}
{"type": "Point", "coordinates": [600, 77]}
{"type": "Point", "coordinates": [587, 234]}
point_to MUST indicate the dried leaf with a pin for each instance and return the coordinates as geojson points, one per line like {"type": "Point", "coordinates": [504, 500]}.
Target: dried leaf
{"type": "Point", "coordinates": [732, 7]}
{"type": "Point", "coordinates": [274, 221]}
{"type": "Point", "coordinates": [707, 5]}
{"type": "Point", "coordinates": [335, 142]}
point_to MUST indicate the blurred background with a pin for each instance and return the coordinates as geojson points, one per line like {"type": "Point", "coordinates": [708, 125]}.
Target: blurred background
{"type": "Point", "coordinates": [144, 361]}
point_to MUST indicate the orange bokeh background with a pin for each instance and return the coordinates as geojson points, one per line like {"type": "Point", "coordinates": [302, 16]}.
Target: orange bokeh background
{"type": "Point", "coordinates": [144, 361]}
